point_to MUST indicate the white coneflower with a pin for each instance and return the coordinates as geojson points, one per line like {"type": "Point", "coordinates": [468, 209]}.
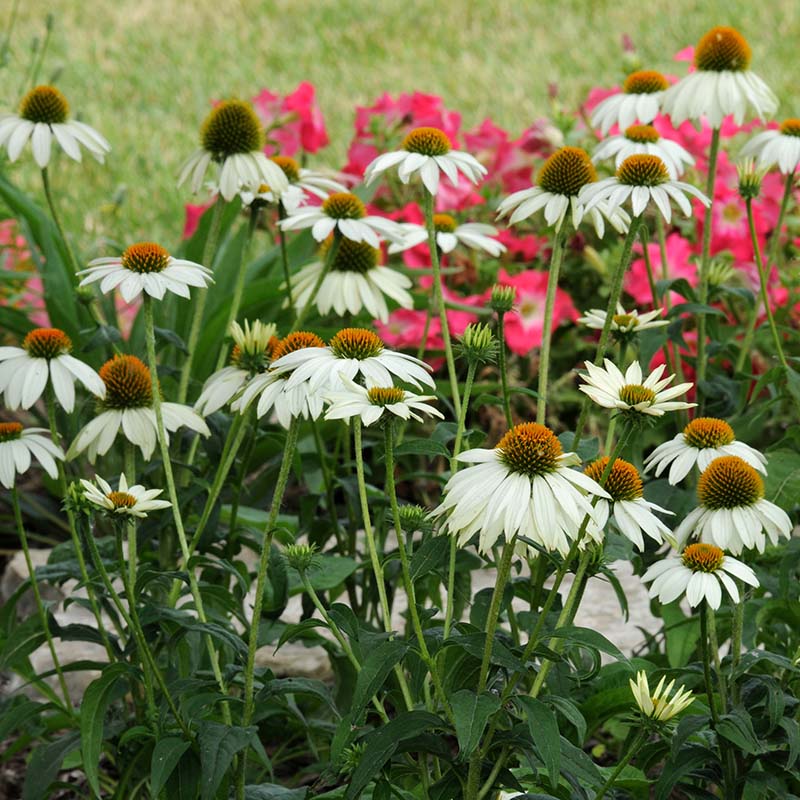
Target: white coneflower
{"type": "Point", "coordinates": [449, 234]}
{"type": "Point", "coordinates": [700, 442]}
{"type": "Point", "coordinates": [644, 140]}
{"type": "Point", "coordinates": [427, 152]}
{"type": "Point", "coordinates": [252, 352]}
{"type": "Point", "coordinates": [733, 513]}
{"type": "Point", "coordinates": [128, 407]}
{"type": "Point", "coordinates": [525, 486]}
{"type": "Point", "coordinates": [702, 571]}
{"type": "Point", "coordinates": [146, 267]}
{"type": "Point", "coordinates": [18, 444]}
{"type": "Point", "coordinates": [721, 84]}
{"type": "Point", "coordinates": [630, 393]}
{"type": "Point", "coordinates": [232, 137]}
{"type": "Point", "coordinates": [355, 281]}
{"type": "Point", "coordinates": [623, 321]}
{"type": "Point", "coordinates": [639, 101]}
{"type": "Point", "coordinates": [645, 181]}
{"type": "Point", "coordinates": [630, 511]}
{"type": "Point", "coordinates": [42, 119]}
{"type": "Point", "coordinates": [126, 501]}
{"type": "Point", "coordinates": [560, 181]}
{"type": "Point", "coordinates": [346, 213]}
{"type": "Point", "coordinates": [658, 705]}
{"type": "Point", "coordinates": [373, 404]}
{"type": "Point", "coordinates": [781, 147]}
{"type": "Point", "coordinates": [352, 352]}
{"type": "Point", "coordinates": [45, 353]}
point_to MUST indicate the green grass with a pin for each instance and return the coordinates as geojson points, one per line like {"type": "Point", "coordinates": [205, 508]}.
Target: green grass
{"type": "Point", "coordinates": [143, 72]}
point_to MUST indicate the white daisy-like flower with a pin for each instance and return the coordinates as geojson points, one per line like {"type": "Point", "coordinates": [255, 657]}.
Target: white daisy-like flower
{"type": "Point", "coordinates": [629, 393]}
{"type": "Point", "coordinates": [45, 353]}
{"type": "Point", "coordinates": [702, 571]}
{"type": "Point", "coordinates": [449, 234]}
{"type": "Point", "coordinates": [631, 512]}
{"type": "Point", "coordinates": [781, 147]}
{"type": "Point", "coordinates": [523, 487]}
{"type": "Point", "coordinates": [372, 404]}
{"type": "Point", "coordinates": [561, 179]}
{"type": "Point", "coordinates": [721, 84]}
{"type": "Point", "coordinates": [127, 501]}
{"type": "Point", "coordinates": [346, 214]}
{"type": "Point", "coordinates": [646, 181]}
{"type": "Point", "coordinates": [644, 140]}
{"type": "Point", "coordinates": [354, 282]}
{"type": "Point", "coordinates": [624, 322]}
{"type": "Point", "coordinates": [733, 513]}
{"type": "Point", "coordinates": [128, 407]}
{"type": "Point", "coordinates": [18, 444]}
{"type": "Point", "coordinates": [639, 101]}
{"type": "Point", "coordinates": [42, 119]}
{"type": "Point", "coordinates": [273, 390]}
{"type": "Point", "coordinates": [352, 352]}
{"type": "Point", "coordinates": [146, 267]}
{"type": "Point", "coordinates": [658, 705]}
{"type": "Point", "coordinates": [700, 442]}
{"type": "Point", "coordinates": [427, 152]}
{"type": "Point", "coordinates": [252, 352]}
{"type": "Point", "coordinates": [232, 137]}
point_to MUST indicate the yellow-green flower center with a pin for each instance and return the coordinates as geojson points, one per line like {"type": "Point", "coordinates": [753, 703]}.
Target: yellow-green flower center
{"type": "Point", "coordinates": [231, 127]}
{"type": "Point", "coordinates": [358, 343]}
{"type": "Point", "coordinates": [708, 432]}
{"type": "Point", "coordinates": [9, 431]}
{"type": "Point", "coordinates": [344, 205]}
{"type": "Point", "coordinates": [291, 169]}
{"type": "Point", "coordinates": [385, 396]}
{"type": "Point", "coordinates": [622, 483]}
{"type": "Point", "coordinates": [351, 256]}
{"type": "Point", "coordinates": [722, 49]}
{"type": "Point", "coordinates": [790, 127]}
{"type": "Point", "coordinates": [121, 499]}
{"type": "Point", "coordinates": [633, 394]}
{"type": "Point", "coordinates": [47, 343]}
{"type": "Point", "coordinates": [44, 104]}
{"type": "Point", "coordinates": [254, 361]}
{"type": "Point", "coordinates": [145, 257]}
{"type": "Point", "coordinates": [567, 171]}
{"type": "Point", "coordinates": [531, 449]}
{"type": "Point", "coordinates": [625, 322]}
{"type": "Point", "coordinates": [444, 223]}
{"type": "Point", "coordinates": [703, 557]}
{"type": "Point", "coordinates": [642, 170]}
{"type": "Point", "coordinates": [427, 142]}
{"type": "Point", "coordinates": [298, 340]}
{"type": "Point", "coordinates": [127, 381]}
{"type": "Point", "coordinates": [645, 81]}
{"type": "Point", "coordinates": [729, 482]}
{"type": "Point", "coordinates": [644, 134]}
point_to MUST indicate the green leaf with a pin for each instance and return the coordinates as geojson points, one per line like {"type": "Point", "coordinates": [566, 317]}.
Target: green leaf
{"type": "Point", "coordinates": [594, 640]}
{"type": "Point", "coordinates": [309, 686]}
{"type": "Point", "coordinates": [571, 713]}
{"type": "Point", "coordinates": [682, 633]}
{"type": "Point", "coordinates": [737, 727]}
{"type": "Point", "coordinates": [689, 759]}
{"type": "Point", "coordinates": [170, 337]}
{"type": "Point", "coordinates": [429, 556]}
{"type": "Point", "coordinates": [376, 667]}
{"type": "Point", "coordinates": [470, 714]}
{"type": "Point", "coordinates": [95, 702]}
{"type": "Point", "coordinates": [422, 447]}
{"type": "Point", "coordinates": [273, 791]}
{"type": "Point", "coordinates": [693, 308]}
{"type": "Point", "coordinates": [331, 571]}
{"type": "Point", "coordinates": [588, 449]}
{"type": "Point", "coordinates": [166, 755]}
{"type": "Point", "coordinates": [782, 483]}
{"type": "Point", "coordinates": [218, 745]}
{"type": "Point", "coordinates": [24, 639]}
{"type": "Point", "coordinates": [543, 728]}
{"type": "Point", "coordinates": [44, 765]}
{"type": "Point", "coordinates": [22, 709]}
{"type": "Point", "coordinates": [792, 730]}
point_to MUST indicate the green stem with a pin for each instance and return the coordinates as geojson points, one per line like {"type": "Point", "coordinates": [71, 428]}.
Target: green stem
{"type": "Point", "coordinates": [423, 343]}
{"type": "Point", "coordinates": [556, 258]}
{"type": "Point", "coordinates": [39, 603]}
{"type": "Point", "coordinates": [439, 300]}
{"type": "Point", "coordinates": [737, 628]}
{"type": "Point", "coordinates": [714, 645]}
{"type": "Point", "coordinates": [705, 259]}
{"type": "Point", "coordinates": [488, 784]}
{"type": "Point", "coordinates": [302, 313]}
{"type": "Point", "coordinates": [209, 251]}
{"type": "Point", "coordinates": [287, 275]}
{"type": "Point", "coordinates": [130, 474]}
{"type": "Point", "coordinates": [54, 214]}
{"type": "Point", "coordinates": [150, 340]}
{"type": "Point", "coordinates": [501, 364]}
{"type": "Point", "coordinates": [377, 567]}
{"type": "Point", "coordinates": [712, 706]}
{"type": "Point", "coordinates": [624, 761]}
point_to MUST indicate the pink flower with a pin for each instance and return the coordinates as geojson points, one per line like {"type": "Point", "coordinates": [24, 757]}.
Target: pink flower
{"type": "Point", "coordinates": [679, 251]}
{"type": "Point", "coordinates": [524, 325]}
{"type": "Point", "coordinates": [521, 248]}
{"type": "Point", "coordinates": [193, 214]}
{"type": "Point", "coordinates": [297, 120]}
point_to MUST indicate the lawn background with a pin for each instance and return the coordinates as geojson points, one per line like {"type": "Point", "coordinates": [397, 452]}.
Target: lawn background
{"type": "Point", "coordinates": [143, 72]}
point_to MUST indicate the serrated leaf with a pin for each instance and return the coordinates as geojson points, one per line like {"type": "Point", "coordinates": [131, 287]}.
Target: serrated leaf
{"type": "Point", "coordinates": [376, 667]}
{"type": "Point", "coordinates": [166, 755]}
{"type": "Point", "coordinates": [543, 728]}
{"type": "Point", "coordinates": [422, 447]}
{"type": "Point", "coordinates": [470, 714]}
{"type": "Point", "coordinates": [429, 556]}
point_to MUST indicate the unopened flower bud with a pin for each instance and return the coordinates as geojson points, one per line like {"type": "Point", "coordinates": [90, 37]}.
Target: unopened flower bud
{"type": "Point", "coordinates": [413, 518]}
{"type": "Point", "coordinates": [75, 499]}
{"type": "Point", "coordinates": [720, 271]}
{"type": "Point", "coordinates": [749, 179]}
{"type": "Point", "coordinates": [478, 344]}
{"type": "Point", "coordinates": [502, 299]}
{"type": "Point", "coordinates": [301, 556]}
